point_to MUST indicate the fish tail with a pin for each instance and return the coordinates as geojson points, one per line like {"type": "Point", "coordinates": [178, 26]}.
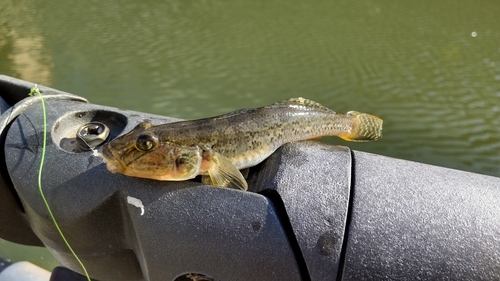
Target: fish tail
{"type": "Point", "coordinates": [365, 127]}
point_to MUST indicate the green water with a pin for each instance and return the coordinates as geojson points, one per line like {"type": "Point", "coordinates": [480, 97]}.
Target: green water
{"type": "Point", "coordinates": [430, 69]}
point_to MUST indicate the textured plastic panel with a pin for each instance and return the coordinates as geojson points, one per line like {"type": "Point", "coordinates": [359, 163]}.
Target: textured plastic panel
{"type": "Point", "coordinates": [412, 221]}
{"type": "Point", "coordinates": [14, 96]}
{"type": "Point", "coordinates": [183, 227]}
{"type": "Point", "coordinates": [313, 180]}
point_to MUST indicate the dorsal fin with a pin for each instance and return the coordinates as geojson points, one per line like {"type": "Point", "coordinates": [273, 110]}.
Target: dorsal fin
{"type": "Point", "coordinates": [301, 102]}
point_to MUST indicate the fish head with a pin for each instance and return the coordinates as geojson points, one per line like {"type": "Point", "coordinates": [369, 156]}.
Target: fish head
{"type": "Point", "coordinates": [140, 153]}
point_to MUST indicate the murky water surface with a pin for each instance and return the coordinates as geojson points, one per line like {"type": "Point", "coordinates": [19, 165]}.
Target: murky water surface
{"type": "Point", "coordinates": [430, 69]}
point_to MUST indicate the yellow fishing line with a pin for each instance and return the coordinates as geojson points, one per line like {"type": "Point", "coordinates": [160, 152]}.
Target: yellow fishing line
{"type": "Point", "coordinates": [34, 91]}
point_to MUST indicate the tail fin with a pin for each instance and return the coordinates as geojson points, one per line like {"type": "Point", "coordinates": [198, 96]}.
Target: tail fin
{"type": "Point", "coordinates": [366, 127]}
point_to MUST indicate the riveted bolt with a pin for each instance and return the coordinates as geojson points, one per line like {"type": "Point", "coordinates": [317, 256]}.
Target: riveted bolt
{"type": "Point", "coordinates": [92, 134]}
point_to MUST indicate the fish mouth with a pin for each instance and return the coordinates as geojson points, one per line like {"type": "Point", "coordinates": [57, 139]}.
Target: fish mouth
{"type": "Point", "coordinates": [112, 163]}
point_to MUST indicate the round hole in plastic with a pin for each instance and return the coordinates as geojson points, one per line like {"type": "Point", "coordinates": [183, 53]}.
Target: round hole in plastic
{"type": "Point", "coordinates": [65, 129]}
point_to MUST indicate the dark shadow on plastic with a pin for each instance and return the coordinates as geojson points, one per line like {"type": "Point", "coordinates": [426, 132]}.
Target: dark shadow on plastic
{"type": "Point", "coordinates": [5, 174]}
{"type": "Point", "coordinates": [12, 210]}
{"type": "Point", "coordinates": [340, 272]}
{"type": "Point", "coordinates": [64, 274]}
{"type": "Point", "coordinates": [279, 206]}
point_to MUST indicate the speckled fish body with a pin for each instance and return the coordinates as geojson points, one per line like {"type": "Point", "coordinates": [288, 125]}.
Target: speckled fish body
{"type": "Point", "coordinates": [245, 137]}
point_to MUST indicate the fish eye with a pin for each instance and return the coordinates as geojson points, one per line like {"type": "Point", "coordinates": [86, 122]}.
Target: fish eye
{"type": "Point", "coordinates": [146, 142]}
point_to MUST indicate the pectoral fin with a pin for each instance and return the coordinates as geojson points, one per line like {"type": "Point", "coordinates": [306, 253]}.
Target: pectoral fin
{"type": "Point", "coordinates": [223, 173]}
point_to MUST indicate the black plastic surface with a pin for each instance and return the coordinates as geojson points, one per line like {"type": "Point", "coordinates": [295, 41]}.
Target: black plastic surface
{"type": "Point", "coordinates": [412, 221]}
{"type": "Point", "coordinates": [14, 93]}
{"type": "Point", "coordinates": [186, 226]}
{"type": "Point", "coordinates": [314, 212]}
{"type": "Point", "coordinates": [314, 181]}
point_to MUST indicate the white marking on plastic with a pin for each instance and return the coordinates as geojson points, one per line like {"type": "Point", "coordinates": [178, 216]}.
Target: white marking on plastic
{"type": "Point", "coordinates": [136, 203]}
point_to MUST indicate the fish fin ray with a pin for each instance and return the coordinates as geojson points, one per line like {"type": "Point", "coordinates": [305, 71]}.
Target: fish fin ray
{"type": "Point", "coordinates": [301, 102]}
{"type": "Point", "coordinates": [206, 180]}
{"type": "Point", "coordinates": [223, 173]}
